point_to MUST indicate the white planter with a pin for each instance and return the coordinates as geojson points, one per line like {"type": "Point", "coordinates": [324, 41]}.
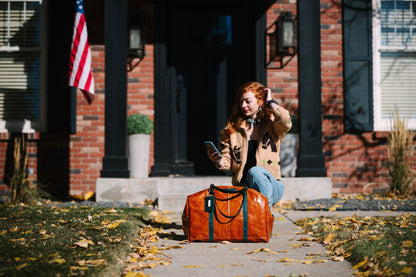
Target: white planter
{"type": "Point", "coordinates": [139, 149]}
{"type": "Point", "coordinates": [288, 155]}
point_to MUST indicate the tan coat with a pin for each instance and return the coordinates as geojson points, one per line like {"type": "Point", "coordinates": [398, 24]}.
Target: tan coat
{"type": "Point", "coordinates": [235, 147]}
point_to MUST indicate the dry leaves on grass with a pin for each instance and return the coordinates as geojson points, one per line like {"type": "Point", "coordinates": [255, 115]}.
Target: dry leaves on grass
{"type": "Point", "coordinates": [376, 246]}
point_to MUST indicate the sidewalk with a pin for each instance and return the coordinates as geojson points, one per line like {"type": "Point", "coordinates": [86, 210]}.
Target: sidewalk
{"type": "Point", "coordinates": [284, 255]}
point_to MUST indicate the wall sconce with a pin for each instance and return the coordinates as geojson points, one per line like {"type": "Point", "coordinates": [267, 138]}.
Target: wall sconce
{"type": "Point", "coordinates": [286, 31]}
{"type": "Point", "coordinates": [136, 44]}
{"type": "Point", "coordinates": [282, 39]}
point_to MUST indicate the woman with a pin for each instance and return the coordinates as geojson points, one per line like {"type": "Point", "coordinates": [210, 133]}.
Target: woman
{"type": "Point", "coordinates": [250, 142]}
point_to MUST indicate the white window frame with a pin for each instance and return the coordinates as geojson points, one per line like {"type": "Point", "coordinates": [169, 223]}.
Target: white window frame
{"type": "Point", "coordinates": [24, 125]}
{"type": "Point", "coordinates": [382, 124]}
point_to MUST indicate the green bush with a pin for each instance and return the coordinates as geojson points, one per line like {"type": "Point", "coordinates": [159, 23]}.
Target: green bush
{"type": "Point", "coordinates": [139, 124]}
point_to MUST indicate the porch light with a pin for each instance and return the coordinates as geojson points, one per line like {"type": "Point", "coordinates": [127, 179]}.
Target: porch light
{"type": "Point", "coordinates": [136, 42]}
{"type": "Point", "coordinates": [286, 32]}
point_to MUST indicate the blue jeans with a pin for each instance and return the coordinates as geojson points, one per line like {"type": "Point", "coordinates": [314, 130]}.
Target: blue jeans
{"type": "Point", "coordinates": [263, 181]}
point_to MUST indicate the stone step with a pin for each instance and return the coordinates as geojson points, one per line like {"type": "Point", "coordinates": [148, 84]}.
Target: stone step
{"type": "Point", "coordinates": [171, 192]}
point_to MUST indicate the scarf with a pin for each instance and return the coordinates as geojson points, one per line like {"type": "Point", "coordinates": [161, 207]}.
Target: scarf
{"type": "Point", "coordinates": [253, 122]}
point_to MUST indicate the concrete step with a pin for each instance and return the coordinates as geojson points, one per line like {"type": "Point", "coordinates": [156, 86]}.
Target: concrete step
{"type": "Point", "coordinates": [171, 192]}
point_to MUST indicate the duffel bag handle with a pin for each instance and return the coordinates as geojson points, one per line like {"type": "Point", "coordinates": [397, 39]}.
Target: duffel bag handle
{"type": "Point", "coordinates": [242, 192]}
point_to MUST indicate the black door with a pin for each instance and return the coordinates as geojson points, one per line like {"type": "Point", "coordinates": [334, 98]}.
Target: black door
{"type": "Point", "coordinates": [208, 57]}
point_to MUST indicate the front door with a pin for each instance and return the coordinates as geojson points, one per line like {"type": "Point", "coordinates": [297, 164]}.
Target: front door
{"type": "Point", "coordinates": [208, 55]}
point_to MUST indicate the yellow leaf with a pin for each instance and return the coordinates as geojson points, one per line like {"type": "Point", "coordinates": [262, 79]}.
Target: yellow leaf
{"type": "Point", "coordinates": [57, 260]}
{"type": "Point", "coordinates": [112, 226]}
{"type": "Point", "coordinates": [313, 254]}
{"type": "Point", "coordinates": [329, 237]}
{"type": "Point", "coordinates": [96, 262]}
{"type": "Point", "coordinates": [406, 270]}
{"type": "Point", "coordinates": [319, 261]}
{"type": "Point", "coordinates": [19, 267]}
{"type": "Point", "coordinates": [88, 195]}
{"type": "Point", "coordinates": [3, 232]}
{"type": "Point", "coordinates": [134, 274]}
{"type": "Point", "coordinates": [407, 244]}
{"type": "Point", "coordinates": [307, 262]}
{"type": "Point", "coordinates": [360, 264]}
{"type": "Point", "coordinates": [285, 260]}
{"type": "Point", "coordinates": [191, 266]}
{"type": "Point", "coordinates": [333, 208]}
{"type": "Point", "coordinates": [307, 239]}
{"type": "Point", "coordinates": [166, 263]}
{"type": "Point", "coordinates": [235, 249]}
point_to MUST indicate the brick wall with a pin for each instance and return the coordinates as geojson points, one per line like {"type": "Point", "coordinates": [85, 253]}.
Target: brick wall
{"type": "Point", "coordinates": [87, 145]}
{"type": "Point", "coordinates": [356, 162]}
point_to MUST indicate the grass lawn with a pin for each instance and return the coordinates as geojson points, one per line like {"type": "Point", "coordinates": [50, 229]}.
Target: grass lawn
{"type": "Point", "coordinates": [67, 241]}
{"type": "Point", "coordinates": [375, 246]}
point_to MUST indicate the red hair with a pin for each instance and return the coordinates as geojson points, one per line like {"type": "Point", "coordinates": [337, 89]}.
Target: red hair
{"type": "Point", "coordinates": [237, 117]}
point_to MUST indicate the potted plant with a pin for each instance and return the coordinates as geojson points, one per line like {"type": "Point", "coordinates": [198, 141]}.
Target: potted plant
{"type": "Point", "coordinates": [139, 128]}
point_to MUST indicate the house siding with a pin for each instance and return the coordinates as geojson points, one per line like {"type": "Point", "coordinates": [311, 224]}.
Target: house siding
{"type": "Point", "coordinates": [355, 162]}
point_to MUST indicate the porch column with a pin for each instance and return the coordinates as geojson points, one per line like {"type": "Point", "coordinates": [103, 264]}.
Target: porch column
{"type": "Point", "coordinates": [115, 161]}
{"type": "Point", "coordinates": [311, 159]}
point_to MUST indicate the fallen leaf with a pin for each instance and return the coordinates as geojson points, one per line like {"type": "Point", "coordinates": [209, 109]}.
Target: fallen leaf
{"type": "Point", "coordinates": [134, 274]}
{"type": "Point", "coordinates": [406, 270]}
{"type": "Point", "coordinates": [320, 261]}
{"type": "Point", "coordinates": [407, 244]}
{"type": "Point", "coordinates": [57, 260]}
{"type": "Point", "coordinates": [95, 262]}
{"type": "Point", "coordinates": [285, 260]}
{"type": "Point", "coordinates": [360, 264]}
{"type": "Point", "coordinates": [334, 207]}
{"type": "Point", "coordinates": [19, 267]}
{"type": "Point", "coordinates": [192, 266]}
{"type": "Point", "coordinates": [84, 243]}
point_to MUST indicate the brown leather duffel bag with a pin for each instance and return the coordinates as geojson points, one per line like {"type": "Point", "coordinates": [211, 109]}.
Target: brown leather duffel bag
{"type": "Point", "coordinates": [227, 213]}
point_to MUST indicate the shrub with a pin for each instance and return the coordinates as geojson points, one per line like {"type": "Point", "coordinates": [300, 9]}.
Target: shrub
{"type": "Point", "coordinates": [19, 183]}
{"type": "Point", "coordinates": [400, 152]}
{"type": "Point", "coordinates": [139, 124]}
{"type": "Point", "coordinates": [22, 190]}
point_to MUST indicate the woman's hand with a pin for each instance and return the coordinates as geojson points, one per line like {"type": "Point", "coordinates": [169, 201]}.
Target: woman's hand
{"type": "Point", "coordinates": [268, 93]}
{"type": "Point", "coordinates": [214, 157]}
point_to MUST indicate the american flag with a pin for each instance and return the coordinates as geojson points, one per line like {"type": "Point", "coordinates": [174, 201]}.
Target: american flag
{"type": "Point", "coordinates": [80, 75]}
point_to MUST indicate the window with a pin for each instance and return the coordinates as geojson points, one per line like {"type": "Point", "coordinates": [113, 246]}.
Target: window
{"type": "Point", "coordinates": [394, 61]}
{"type": "Point", "coordinates": [20, 66]}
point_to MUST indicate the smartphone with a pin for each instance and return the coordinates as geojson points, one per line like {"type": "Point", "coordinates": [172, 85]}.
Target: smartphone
{"type": "Point", "coordinates": [210, 146]}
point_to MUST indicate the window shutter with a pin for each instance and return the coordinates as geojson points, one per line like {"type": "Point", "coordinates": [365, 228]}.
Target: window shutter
{"type": "Point", "coordinates": [357, 65]}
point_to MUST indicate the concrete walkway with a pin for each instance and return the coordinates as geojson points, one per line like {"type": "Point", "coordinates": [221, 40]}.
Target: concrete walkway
{"type": "Point", "coordinates": [284, 255]}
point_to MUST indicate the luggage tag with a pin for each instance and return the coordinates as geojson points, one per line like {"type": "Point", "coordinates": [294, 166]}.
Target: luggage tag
{"type": "Point", "coordinates": [209, 203]}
